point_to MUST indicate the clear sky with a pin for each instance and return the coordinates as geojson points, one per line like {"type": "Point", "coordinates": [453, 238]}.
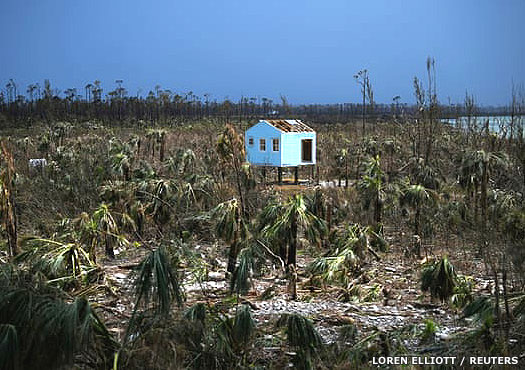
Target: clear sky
{"type": "Point", "coordinates": [307, 50]}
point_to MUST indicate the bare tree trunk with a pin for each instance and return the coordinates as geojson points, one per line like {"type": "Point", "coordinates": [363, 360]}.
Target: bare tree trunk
{"type": "Point", "coordinates": [506, 298]}
{"type": "Point", "coordinates": [7, 198]}
{"type": "Point", "coordinates": [497, 311]}
{"type": "Point", "coordinates": [234, 247]}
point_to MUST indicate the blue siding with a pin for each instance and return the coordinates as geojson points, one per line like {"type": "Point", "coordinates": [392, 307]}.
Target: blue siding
{"type": "Point", "coordinates": [290, 147]}
{"type": "Point", "coordinates": [292, 152]}
{"type": "Point", "coordinates": [268, 157]}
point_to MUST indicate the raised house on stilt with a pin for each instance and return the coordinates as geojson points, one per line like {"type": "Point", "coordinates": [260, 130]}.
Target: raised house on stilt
{"type": "Point", "coordinates": [280, 143]}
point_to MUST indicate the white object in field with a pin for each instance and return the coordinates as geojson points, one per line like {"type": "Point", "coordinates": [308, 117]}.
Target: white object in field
{"type": "Point", "coordinates": [37, 162]}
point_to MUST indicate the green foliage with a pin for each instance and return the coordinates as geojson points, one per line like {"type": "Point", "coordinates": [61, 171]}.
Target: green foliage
{"type": "Point", "coordinates": [227, 219]}
{"type": "Point", "coordinates": [197, 312]}
{"type": "Point", "coordinates": [59, 262]}
{"type": "Point", "coordinates": [9, 347]}
{"type": "Point", "coordinates": [429, 331]}
{"type": "Point", "coordinates": [425, 175]}
{"type": "Point", "coordinates": [230, 225]}
{"type": "Point", "coordinates": [334, 269]}
{"type": "Point", "coordinates": [280, 221]}
{"type": "Point", "coordinates": [514, 227]}
{"type": "Point", "coordinates": [240, 282]}
{"type": "Point", "coordinates": [371, 187]}
{"type": "Point", "coordinates": [475, 163]}
{"type": "Point", "coordinates": [462, 291]}
{"type": "Point", "coordinates": [351, 245]}
{"type": "Point", "coordinates": [105, 230]}
{"type": "Point", "coordinates": [301, 332]}
{"type": "Point", "coordinates": [158, 282]}
{"type": "Point", "coordinates": [302, 336]}
{"type": "Point", "coordinates": [160, 192]}
{"type": "Point", "coordinates": [220, 342]}
{"type": "Point", "coordinates": [416, 195]}
{"type": "Point", "coordinates": [243, 325]}
{"type": "Point", "coordinates": [42, 331]}
{"type": "Point", "coordinates": [481, 309]}
{"type": "Point", "coordinates": [439, 278]}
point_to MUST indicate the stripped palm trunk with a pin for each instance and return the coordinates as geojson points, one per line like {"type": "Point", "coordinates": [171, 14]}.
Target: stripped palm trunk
{"type": "Point", "coordinates": [8, 202]}
{"type": "Point", "coordinates": [292, 259]}
{"type": "Point", "coordinates": [292, 252]}
{"type": "Point", "coordinates": [234, 246]}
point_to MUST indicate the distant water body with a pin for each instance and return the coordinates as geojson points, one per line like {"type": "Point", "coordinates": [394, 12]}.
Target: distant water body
{"type": "Point", "coordinates": [497, 124]}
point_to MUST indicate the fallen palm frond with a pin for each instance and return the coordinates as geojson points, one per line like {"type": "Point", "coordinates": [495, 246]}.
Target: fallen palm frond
{"type": "Point", "coordinates": [58, 261]}
{"type": "Point", "coordinates": [481, 309]}
{"type": "Point", "coordinates": [351, 245]}
{"type": "Point", "coordinates": [335, 269]}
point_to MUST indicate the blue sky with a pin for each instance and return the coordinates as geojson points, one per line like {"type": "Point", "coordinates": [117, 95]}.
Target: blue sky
{"type": "Point", "coordinates": [304, 49]}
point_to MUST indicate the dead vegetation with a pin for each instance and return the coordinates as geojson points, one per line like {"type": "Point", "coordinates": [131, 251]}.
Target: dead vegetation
{"type": "Point", "coordinates": [172, 253]}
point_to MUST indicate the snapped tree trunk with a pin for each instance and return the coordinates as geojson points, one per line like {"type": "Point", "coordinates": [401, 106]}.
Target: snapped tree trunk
{"type": "Point", "coordinates": [109, 249]}
{"type": "Point", "coordinates": [292, 260]}
{"type": "Point", "coordinates": [7, 202]}
{"type": "Point", "coordinates": [378, 209]}
{"type": "Point", "coordinates": [292, 252]}
{"type": "Point", "coordinates": [234, 247]}
{"type": "Point", "coordinates": [232, 256]}
{"type": "Point", "coordinates": [484, 185]}
{"type": "Point", "coordinates": [417, 221]}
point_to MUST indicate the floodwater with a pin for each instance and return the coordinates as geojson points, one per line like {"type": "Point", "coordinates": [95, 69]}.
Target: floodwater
{"type": "Point", "coordinates": [498, 124]}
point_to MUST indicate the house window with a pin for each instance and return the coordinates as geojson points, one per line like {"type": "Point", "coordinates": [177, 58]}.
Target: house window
{"type": "Point", "coordinates": [275, 145]}
{"type": "Point", "coordinates": [262, 145]}
{"type": "Point", "coordinates": [250, 141]}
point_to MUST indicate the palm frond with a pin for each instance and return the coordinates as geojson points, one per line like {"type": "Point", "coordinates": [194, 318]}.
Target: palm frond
{"type": "Point", "coordinates": [9, 347]}
{"type": "Point", "coordinates": [440, 279]}
{"type": "Point", "coordinates": [59, 261]}
{"type": "Point", "coordinates": [481, 309]}
{"type": "Point", "coordinates": [240, 281]}
{"type": "Point", "coordinates": [197, 312]}
{"type": "Point", "coordinates": [158, 282]}
{"type": "Point", "coordinates": [52, 333]}
{"type": "Point", "coordinates": [243, 324]}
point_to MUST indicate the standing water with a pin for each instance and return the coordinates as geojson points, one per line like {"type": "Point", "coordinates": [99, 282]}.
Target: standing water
{"type": "Point", "coordinates": [504, 125]}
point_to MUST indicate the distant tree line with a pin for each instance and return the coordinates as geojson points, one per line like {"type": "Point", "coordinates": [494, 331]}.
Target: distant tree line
{"type": "Point", "coordinates": [45, 103]}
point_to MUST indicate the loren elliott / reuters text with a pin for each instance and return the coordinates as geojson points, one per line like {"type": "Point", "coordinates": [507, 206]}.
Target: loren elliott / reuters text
{"type": "Point", "coordinates": [443, 360]}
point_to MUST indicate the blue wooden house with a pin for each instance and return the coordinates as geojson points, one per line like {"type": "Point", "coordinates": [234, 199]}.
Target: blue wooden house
{"type": "Point", "coordinates": [280, 143]}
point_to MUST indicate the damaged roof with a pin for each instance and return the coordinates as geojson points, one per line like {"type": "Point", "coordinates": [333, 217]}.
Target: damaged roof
{"type": "Point", "coordinates": [289, 125]}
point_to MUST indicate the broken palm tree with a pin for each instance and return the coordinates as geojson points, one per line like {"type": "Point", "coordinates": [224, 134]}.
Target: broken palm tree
{"type": "Point", "coordinates": [7, 200]}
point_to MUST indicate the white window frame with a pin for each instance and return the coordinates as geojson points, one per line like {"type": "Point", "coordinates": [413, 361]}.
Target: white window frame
{"type": "Point", "coordinates": [262, 143]}
{"type": "Point", "coordinates": [274, 140]}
